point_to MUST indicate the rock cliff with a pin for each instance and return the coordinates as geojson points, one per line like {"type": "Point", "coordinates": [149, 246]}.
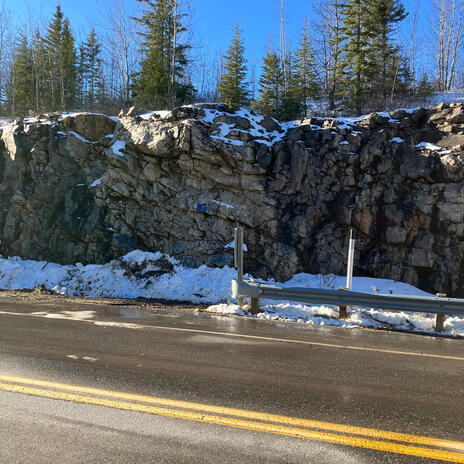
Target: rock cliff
{"type": "Point", "coordinates": [89, 188]}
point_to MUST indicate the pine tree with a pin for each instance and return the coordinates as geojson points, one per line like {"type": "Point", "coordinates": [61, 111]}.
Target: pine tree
{"type": "Point", "coordinates": [304, 79]}
{"type": "Point", "coordinates": [232, 87]}
{"type": "Point", "coordinates": [162, 81]}
{"type": "Point", "coordinates": [271, 86]}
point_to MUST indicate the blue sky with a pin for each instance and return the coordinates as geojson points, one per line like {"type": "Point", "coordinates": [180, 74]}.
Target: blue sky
{"type": "Point", "coordinates": [213, 19]}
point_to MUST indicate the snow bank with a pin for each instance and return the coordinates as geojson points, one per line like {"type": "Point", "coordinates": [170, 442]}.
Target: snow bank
{"type": "Point", "coordinates": [155, 275]}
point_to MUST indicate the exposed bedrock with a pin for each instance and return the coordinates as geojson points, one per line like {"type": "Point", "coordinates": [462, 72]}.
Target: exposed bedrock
{"type": "Point", "coordinates": [88, 188]}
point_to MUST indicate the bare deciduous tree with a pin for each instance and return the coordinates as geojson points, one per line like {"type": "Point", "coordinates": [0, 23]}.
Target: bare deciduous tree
{"type": "Point", "coordinates": [6, 48]}
{"type": "Point", "coordinates": [121, 46]}
{"type": "Point", "coordinates": [327, 44]}
{"type": "Point", "coordinates": [447, 40]}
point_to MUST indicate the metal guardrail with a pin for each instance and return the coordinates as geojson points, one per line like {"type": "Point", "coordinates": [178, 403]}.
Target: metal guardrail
{"type": "Point", "coordinates": [439, 305]}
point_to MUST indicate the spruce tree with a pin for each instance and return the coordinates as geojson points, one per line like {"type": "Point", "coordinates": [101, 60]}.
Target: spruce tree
{"type": "Point", "coordinates": [21, 89]}
{"type": "Point", "coordinates": [39, 62]}
{"type": "Point", "coordinates": [358, 64]}
{"type": "Point", "coordinates": [91, 72]}
{"type": "Point", "coordinates": [304, 79]}
{"type": "Point", "coordinates": [162, 81]}
{"type": "Point", "coordinates": [271, 86]}
{"type": "Point", "coordinates": [292, 99]}
{"type": "Point", "coordinates": [69, 58]}
{"type": "Point", "coordinates": [384, 16]}
{"type": "Point", "coordinates": [61, 62]}
{"type": "Point", "coordinates": [232, 87]}
{"type": "Point", "coordinates": [425, 87]}
{"type": "Point", "coordinates": [336, 38]}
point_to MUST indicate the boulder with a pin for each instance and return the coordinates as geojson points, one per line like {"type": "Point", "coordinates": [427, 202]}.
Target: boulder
{"type": "Point", "coordinates": [89, 125]}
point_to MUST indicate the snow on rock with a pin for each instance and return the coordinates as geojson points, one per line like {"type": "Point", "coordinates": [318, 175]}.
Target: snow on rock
{"type": "Point", "coordinates": [396, 140]}
{"type": "Point", "coordinates": [221, 203]}
{"type": "Point", "coordinates": [232, 245]}
{"type": "Point", "coordinates": [156, 275]}
{"type": "Point", "coordinates": [117, 147]}
{"type": "Point", "coordinates": [95, 183]}
{"type": "Point", "coordinates": [428, 146]}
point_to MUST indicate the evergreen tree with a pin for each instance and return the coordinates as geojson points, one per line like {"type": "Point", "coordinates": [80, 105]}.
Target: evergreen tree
{"type": "Point", "coordinates": [68, 80]}
{"type": "Point", "coordinates": [232, 87]}
{"type": "Point", "coordinates": [61, 58]}
{"type": "Point", "coordinates": [425, 87]}
{"type": "Point", "coordinates": [39, 65]}
{"type": "Point", "coordinates": [21, 89]}
{"type": "Point", "coordinates": [358, 64]}
{"type": "Point", "coordinates": [304, 79]}
{"type": "Point", "coordinates": [162, 81]}
{"type": "Point", "coordinates": [335, 52]}
{"type": "Point", "coordinates": [80, 73]}
{"type": "Point", "coordinates": [271, 86]}
{"type": "Point", "coordinates": [292, 106]}
{"type": "Point", "coordinates": [384, 15]}
{"type": "Point", "coordinates": [91, 72]}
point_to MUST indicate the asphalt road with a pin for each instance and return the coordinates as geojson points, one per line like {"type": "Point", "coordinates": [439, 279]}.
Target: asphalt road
{"type": "Point", "coordinates": [69, 372]}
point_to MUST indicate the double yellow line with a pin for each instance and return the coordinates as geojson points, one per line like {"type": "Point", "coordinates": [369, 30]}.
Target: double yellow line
{"type": "Point", "coordinates": [380, 440]}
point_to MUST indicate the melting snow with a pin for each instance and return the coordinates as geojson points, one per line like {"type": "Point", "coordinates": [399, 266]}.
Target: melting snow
{"type": "Point", "coordinates": [396, 140]}
{"type": "Point", "coordinates": [95, 183]}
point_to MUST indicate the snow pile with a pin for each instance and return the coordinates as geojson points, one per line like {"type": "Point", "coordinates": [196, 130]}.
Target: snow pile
{"type": "Point", "coordinates": [449, 97]}
{"type": "Point", "coordinates": [159, 276]}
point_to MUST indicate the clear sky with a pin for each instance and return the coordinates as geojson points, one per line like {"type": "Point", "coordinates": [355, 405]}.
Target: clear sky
{"type": "Point", "coordinates": [213, 19]}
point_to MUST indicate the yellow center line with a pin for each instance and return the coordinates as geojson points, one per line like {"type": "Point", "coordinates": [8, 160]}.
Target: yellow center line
{"type": "Point", "coordinates": [429, 453]}
{"type": "Point", "coordinates": [130, 325]}
{"type": "Point", "coordinates": [313, 424]}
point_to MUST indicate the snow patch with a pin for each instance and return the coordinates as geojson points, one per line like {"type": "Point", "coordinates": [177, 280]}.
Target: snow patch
{"type": "Point", "coordinates": [135, 275]}
{"type": "Point", "coordinates": [428, 146]}
{"type": "Point", "coordinates": [226, 205]}
{"type": "Point", "coordinates": [117, 148]}
{"type": "Point", "coordinates": [232, 245]}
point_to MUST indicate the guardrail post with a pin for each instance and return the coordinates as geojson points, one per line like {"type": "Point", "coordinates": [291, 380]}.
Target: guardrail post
{"type": "Point", "coordinates": [349, 271]}
{"type": "Point", "coordinates": [238, 258]}
{"type": "Point", "coordinates": [439, 325]}
{"type": "Point", "coordinates": [254, 306]}
{"type": "Point", "coordinates": [342, 312]}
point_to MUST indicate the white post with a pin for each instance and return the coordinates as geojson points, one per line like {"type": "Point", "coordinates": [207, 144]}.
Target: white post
{"type": "Point", "coordinates": [349, 271]}
{"type": "Point", "coordinates": [238, 257]}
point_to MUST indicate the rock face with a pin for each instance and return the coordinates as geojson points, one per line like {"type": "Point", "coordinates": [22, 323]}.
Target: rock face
{"type": "Point", "coordinates": [88, 188]}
